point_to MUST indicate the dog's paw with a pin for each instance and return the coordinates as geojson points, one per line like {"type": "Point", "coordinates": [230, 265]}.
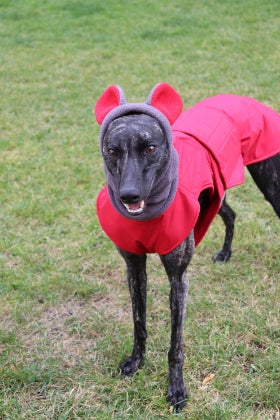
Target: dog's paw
{"type": "Point", "coordinates": [130, 366]}
{"type": "Point", "coordinates": [222, 256]}
{"type": "Point", "coordinates": [176, 397]}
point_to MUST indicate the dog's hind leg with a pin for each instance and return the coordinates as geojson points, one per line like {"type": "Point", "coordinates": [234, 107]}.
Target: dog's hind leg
{"type": "Point", "coordinates": [137, 282]}
{"type": "Point", "coordinates": [266, 175]}
{"type": "Point", "coordinates": [175, 264]}
{"type": "Point", "coordinates": [228, 216]}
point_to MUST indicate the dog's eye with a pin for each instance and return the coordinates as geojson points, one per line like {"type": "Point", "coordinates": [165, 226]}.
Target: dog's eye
{"type": "Point", "coordinates": [150, 149]}
{"type": "Point", "coordinates": [112, 152]}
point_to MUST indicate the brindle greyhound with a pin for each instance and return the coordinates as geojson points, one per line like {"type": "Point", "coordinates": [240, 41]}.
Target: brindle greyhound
{"type": "Point", "coordinates": [138, 204]}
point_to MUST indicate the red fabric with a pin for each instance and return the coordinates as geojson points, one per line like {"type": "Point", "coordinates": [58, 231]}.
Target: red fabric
{"type": "Point", "coordinates": [214, 140]}
{"type": "Point", "coordinates": [236, 130]}
{"type": "Point", "coordinates": [167, 100]}
{"type": "Point", "coordinates": [109, 100]}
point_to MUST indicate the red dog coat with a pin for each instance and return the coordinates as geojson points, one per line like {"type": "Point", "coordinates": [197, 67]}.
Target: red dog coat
{"type": "Point", "coordinates": [214, 140]}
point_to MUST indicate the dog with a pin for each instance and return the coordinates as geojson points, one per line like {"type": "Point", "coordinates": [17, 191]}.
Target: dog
{"type": "Point", "coordinates": [167, 174]}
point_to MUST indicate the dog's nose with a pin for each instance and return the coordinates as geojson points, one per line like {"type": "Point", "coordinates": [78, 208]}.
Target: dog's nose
{"type": "Point", "coordinates": [129, 194]}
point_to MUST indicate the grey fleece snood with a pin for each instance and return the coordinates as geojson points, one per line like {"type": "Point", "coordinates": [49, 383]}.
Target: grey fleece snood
{"type": "Point", "coordinates": [165, 186]}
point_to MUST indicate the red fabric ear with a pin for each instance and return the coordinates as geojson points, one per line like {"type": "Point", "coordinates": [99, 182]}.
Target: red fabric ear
{"type": "Point", "coordinates": [110, 99]}
{"type": "Point", "coordinates": [167, 100]}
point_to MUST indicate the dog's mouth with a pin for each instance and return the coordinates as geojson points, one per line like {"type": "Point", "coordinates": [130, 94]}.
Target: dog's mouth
{"type": "Point", "coordinates": [135, 208]}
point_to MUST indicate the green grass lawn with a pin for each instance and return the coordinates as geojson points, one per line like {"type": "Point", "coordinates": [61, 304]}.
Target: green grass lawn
{"type": "Point", "coordinates": [65, 317]}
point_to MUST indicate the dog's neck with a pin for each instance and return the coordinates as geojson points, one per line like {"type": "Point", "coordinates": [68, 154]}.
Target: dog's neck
{"type": "Point", "coordinates": [161, 195]}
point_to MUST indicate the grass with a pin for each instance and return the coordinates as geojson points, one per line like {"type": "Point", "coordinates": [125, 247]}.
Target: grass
{"type": "Point", "coordinates": [65, 318]}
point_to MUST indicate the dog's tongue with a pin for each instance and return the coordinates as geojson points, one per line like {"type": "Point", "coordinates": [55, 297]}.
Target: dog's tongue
{"type": "Point", "coordinates": [134, 206]}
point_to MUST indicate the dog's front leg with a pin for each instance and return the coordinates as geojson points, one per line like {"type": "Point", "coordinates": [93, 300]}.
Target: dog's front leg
{"type": "Point", "coordinates": [175, 264]}
{"type": "Point", "coordinates": [137, 282]}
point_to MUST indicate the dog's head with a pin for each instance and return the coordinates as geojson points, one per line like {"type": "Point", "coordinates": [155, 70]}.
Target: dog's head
{"type": "Point", "coordinates": [136, 144]}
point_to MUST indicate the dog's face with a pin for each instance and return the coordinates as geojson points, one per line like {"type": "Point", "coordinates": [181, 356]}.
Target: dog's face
{"type": "Point", "coordinates": [135, 151]}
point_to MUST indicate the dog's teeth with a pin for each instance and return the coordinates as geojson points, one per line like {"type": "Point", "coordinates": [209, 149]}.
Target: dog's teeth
{"type": "Point", "coordinates": [135, 208]}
